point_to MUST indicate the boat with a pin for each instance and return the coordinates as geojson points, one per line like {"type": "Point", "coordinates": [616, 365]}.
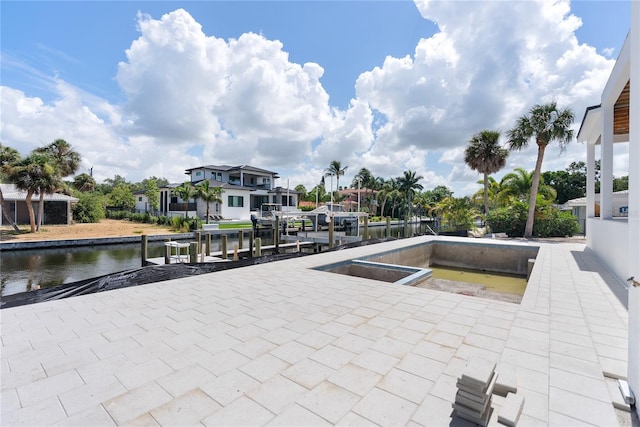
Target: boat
{"type": "Point", "coordinates": [341, 218]}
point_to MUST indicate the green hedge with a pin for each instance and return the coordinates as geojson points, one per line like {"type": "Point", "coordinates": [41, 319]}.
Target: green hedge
{"type": "Point", "coordinates": [511, 219]}
{"type": "Point", "coordinates": [556, 223]}
{"type": "Point", "coordinates": [549, 222]}
{"type": "Point", "coordinates": [145, 218]}
{"type": "Point", "coordinates": [90, 208]}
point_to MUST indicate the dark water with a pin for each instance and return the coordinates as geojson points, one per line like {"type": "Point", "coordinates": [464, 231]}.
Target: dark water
{"type": "Point", "coordinates": [27, 270]}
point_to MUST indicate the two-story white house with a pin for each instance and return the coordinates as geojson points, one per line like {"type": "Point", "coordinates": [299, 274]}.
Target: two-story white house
{"type": "Point", "coordinates": [246, 189]}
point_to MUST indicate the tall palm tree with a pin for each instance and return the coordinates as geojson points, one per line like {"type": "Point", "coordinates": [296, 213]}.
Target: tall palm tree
{"type": "Point", "coordinates": [363, 180]}
{"type": "Point", "coordinates": [185, 192]}
{"type": "Point", "coordinates": [31, 174]}
{"type": "Point", "coordinates": [544, 123]}
{"type": "Point", "coordinates": [8, 158]}
{"type": "Point", "coordinates": [408, 184]}
{"type": "Point", "coordinates": [208, 194]}
{"type": "Point", "coordinates": [335, 169]}
{"type": "Point", "coordinates": [386, 192]}
{"type": "Point", "coordinates": [66, 162]}
{"type": "Point", "coordinates": [485, 155]}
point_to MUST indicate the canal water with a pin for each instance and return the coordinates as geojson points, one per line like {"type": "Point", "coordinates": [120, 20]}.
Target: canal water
{"type": "Point", "coordinates": [27, 270]}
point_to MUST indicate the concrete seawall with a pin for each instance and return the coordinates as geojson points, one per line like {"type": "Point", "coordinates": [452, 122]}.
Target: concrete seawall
{"type": "Point", "coordinates": [67, 243]}
{"type": "Point", "coordinates": [94, 241]}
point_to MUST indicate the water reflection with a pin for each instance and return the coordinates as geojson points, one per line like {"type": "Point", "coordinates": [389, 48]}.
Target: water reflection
{"type": "Point", "coordinates": [26, 270]}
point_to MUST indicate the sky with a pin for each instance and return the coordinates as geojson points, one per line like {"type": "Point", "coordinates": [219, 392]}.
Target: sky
{"type": "Point", "coordinates": [150, 88]}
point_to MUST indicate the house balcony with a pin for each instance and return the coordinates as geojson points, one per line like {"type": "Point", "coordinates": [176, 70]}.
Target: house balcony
{"type": "Point", "coordinates": [181, 207]}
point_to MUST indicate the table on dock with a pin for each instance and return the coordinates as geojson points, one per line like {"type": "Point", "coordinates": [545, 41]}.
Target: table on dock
{"type": "Point", "coordinates": [175, 251]}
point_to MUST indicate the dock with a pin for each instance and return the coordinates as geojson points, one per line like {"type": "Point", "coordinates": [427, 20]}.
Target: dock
{"type": "Point", "coordinates": [220, 256]}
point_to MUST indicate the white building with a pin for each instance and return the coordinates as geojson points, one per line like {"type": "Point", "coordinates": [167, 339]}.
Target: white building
{"type": "Point", "coordinates": [616, 240]}
{"type": "Point", "coordinates": [57, 207]}
{"type": "Point", "coordinates": [578, 207]}
{"type": "Point", "coordinates": [245, 187]}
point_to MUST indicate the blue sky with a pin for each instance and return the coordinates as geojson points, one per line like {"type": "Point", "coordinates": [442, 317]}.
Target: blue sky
{"type": "Point", "coordinates": [152, 88]}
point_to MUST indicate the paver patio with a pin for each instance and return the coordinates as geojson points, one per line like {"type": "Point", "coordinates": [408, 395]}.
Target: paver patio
{"type": "Point", "coordinates": [282, 344]}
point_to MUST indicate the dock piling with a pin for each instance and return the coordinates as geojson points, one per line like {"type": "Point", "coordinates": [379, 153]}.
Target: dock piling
{"type": "Point", "coordinates": [143, 249]}
{"type": "Point", "coordinates": [388, 234]}
{"type": "Point", "coordinates": [406, 226]}
{"type": "Point", "coordinates": [208, 244]}
{"type": "Point", "coordinates": [167, 259]}
{"type": "Point", "coordinates": [193, 252]}
{"type": "Point", "coordinates": [223, 246]}
{"type": "Point", "coordinates": [258, 247]}
{"type": "Point", "coordinates": [251, 244]}
{"type": "Point", "coordinates": [365, 235]}
{"type": "Point", "coordinates": [331, 242]}
{"type": "Point", "coordinates": [235, 252]}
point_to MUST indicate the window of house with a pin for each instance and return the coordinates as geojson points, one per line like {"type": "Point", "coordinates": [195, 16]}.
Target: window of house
{"type": "Point", "coordinates": [198, 173]}
{"type": "Point", "coordinates": [235, 201]}
{"type": "Point", "coordinates": [140, 198]}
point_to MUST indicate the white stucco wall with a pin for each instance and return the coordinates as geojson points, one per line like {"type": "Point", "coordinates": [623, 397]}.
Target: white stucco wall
{"type": "Point", "coordinates": [232, 212]}
{"type": "Point", "coordinates": [141, 205]}
{"type": "Point", "coordinates": [608, 239]}
{"type": "Point", "coordinates": [634, 205]}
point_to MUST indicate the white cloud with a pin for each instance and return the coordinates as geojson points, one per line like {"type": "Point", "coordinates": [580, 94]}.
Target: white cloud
{"type": "Point", "coordinates": [232, 98]}
{"type": "Point", "coordinates": [490, 62]}
{"type": "Point", "coordinates": [242, 101]}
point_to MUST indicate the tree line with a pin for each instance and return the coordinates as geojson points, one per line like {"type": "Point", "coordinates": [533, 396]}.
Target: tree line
{"type": "Point", "coordinates": [44, 170]}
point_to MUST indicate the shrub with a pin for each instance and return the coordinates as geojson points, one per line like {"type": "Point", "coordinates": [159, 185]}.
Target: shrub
{"type": "Point", "coordinates": [510, 219]}
{"type": "Point", "coordinates": [194, 223]}
{"type": "Point", "coordinates": [177, 222]}
{"type": "Point", "coordinates": [117, 214]}
{"type": "Point", "coordinates": [556, 223]}
{"type": "Point", "coordinates": [90, 208]}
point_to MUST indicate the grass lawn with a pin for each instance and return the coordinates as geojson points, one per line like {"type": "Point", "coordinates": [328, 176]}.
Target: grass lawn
{"type": "Point", "coordinates": [234, 225]}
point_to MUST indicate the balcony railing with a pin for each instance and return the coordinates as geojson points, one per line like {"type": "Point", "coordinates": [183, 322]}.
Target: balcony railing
{"type": "Point", "coordinates": [181, 207]}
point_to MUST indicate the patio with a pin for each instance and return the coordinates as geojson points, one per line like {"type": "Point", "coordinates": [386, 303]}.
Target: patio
{"type": "Point", "coordinates": [282, 344]}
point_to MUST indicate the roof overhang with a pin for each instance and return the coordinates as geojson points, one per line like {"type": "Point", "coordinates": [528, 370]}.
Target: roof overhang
{"type": "Point", "coordinates": [616, 95]}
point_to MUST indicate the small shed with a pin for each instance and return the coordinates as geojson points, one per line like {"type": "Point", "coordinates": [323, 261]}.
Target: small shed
{"type": "Point", "coordinates": [57, 206]}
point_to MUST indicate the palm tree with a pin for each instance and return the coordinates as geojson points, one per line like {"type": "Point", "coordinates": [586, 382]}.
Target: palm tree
{"type": "Point", "coordinates": [84, 182]}
{"type": "Point", "coordinates": [66, 162]}
{"type": "Point", "coordinates": [457, 213]}
{"type": "Point", "coordinates": [519, 184]}
{"type": "Point", "coordinates": [185, 192]}
{"type": "Point", "coordinates": [335, 169]}
{"type": "Point", "coordinates": [386, 192]}
{"type": "Point", "coordinates": [363, 180]}
{"type": "Point", "coordinates": [485, 155]}
{"type": "Point", "coordinates": [545, 123]}
{"type": "Point", "coordinates": [8, 158]}
{"type": "Point", "coordinates": [496, 193]}
{"type": "Point", "coordinates": [32, 174]}
{"type": "Point", "coordinates": [208, 194]}
{"type": "Point", "coordinates": [408, 184]}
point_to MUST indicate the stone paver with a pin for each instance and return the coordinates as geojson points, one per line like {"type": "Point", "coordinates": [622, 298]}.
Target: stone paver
{"type": "Point", "coordinates": [282, 344]}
